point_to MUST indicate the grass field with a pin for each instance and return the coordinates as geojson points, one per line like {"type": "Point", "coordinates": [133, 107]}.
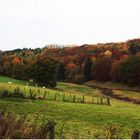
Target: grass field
{"type": "Point", "coordinates": [78, 119]}
{"type": "Point", "coordinates": [4, 79]}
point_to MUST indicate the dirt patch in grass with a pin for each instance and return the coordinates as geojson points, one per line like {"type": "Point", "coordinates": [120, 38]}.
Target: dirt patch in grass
{"type": "Point", "coordinates": [110, 93]}
{"type": "Point", "coordinates": [111, 85]}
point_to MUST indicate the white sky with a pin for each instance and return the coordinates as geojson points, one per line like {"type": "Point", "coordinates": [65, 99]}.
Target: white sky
{"type": "Point", "coordinates": [35, 23]}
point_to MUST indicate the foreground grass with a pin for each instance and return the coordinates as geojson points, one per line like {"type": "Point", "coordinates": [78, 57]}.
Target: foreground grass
{"type": "Point", "coordinates": [79, 120]}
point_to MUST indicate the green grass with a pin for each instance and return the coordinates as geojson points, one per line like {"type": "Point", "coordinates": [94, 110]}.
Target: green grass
{"type": "Point", "coordinates": [81, 120]}
{"type": "Point", "coordinates": [73, 88]}
{"type": "Point", "coordinates": [128, 94]}
{"type": "Point", "coordinates": [63, 89]}
{"type": "Point", "coordinates": [4, 79]}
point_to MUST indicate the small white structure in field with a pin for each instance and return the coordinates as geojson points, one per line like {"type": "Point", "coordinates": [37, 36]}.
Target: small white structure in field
{"type": "Point", "coordinates": [9, 82]}
{"type": "Point", "coordinates": [43, 87]}
{"type": "Point", "coordinates": [36, 85]}
{"type": "Point", "coordinates": [27, 84]}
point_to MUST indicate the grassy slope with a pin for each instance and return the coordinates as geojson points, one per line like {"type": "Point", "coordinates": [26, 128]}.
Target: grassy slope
{"type": "Point", "coordinates": [4, 79]}
{"type": "Point", "coordinates": [82, 120]}
{"type": "Point", "coordinates": [128, 94]}
{"type": "Point", "coordinates": [119, 89]}
{"type": "Point", "coordinates": [111, 85]}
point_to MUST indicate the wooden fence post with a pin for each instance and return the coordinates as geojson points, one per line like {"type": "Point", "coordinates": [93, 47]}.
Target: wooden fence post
{"type": "Point", "coordinates": [83, 101]}
{"type": "Point", "coordinates": [70, 98]}
{"type": "Point", "coordinates": [44, 96]}
{"type": "Point", "coordinates": [38, 91]}
{"type": "Point", "coordinates": [74, 98]}
{"type": "Point", "coordinates": [108, 101]}
{"type": "Point", "coordinates": [101, 101]}
{"type": "Point", "coordinates": [93, 100]}
{"type": "Point", "coordinates": [97, 100]}
{"type": "Point", "coordinates": [64, 97]}
{"type": "Point", "coordinates": [55, 97]}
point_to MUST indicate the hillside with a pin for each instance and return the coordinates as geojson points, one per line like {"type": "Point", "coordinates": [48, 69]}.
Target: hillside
{"type": "Point", "coordinates": [73, 119]}
{"type": "Point", "coordinates": [88, 91]}
{"type": "Point", "coordinates": [76, 64]}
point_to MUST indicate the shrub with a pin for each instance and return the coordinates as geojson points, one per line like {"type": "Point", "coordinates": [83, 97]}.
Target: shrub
{"type": "Point", "coordinates": [12, 127]}
{"type": "Point", "coordinates": [112, 132]}
{"type": "Point", "coordinates": [4, 93]}
{"type": "Point", "coordinates": [16, 93]}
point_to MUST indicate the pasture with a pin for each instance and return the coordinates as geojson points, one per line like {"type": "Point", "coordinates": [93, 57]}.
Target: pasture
{"type": "Point", "coordinates": [74, 119]}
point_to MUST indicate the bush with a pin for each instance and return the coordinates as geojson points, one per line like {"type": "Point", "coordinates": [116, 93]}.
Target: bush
{"type": "Point", "coordinates": [4, 93]}
{"type": "Point", "coordinates": [16, 93]}
{"type": "Point", "coordinates": [12, 127]}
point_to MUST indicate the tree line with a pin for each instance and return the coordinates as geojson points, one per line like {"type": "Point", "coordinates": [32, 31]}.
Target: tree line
{"type": "Point", "coordinates": [117, 62]}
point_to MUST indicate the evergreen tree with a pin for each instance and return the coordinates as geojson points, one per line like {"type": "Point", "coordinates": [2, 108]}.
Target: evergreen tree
{"type": "Point", "coordinates": [61, 72]}
{"type": "Point", "coordinates": [129, 71]}
{"type": "Point", "coordinates": [134, 46]}
{"type": "Point", "coordinates": [87, 69]}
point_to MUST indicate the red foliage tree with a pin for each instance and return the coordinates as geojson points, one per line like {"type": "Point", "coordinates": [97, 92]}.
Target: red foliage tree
{"type": "Point", "coordinates": [102, 69]}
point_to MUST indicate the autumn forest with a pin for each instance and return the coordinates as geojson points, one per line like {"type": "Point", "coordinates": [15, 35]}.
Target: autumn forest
{"type": "Point", "coordinates": [117, 62]}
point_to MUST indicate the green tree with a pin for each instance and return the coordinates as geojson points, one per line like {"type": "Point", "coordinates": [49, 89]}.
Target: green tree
{"type": "Point", "coordinates": [61, 72]}
{"type": "Point", "coordinates": [134, 46]}
{"type": "Point", "coordinates": [129, 71]}
{"type": "Point", "coordinates": [87, 69]}
{"type": "Point", "coordinates": [43, 72]}
{"type": "Point", "coordinates": [18, 71]}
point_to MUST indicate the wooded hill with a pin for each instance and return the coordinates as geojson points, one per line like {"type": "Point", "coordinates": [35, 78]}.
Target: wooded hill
{"type": "Point", "coordinates": [119, 62]}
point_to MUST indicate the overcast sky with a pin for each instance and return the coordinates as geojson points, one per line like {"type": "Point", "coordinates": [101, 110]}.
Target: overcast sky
{"type": "Point", "coordinates": [35, 23]}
